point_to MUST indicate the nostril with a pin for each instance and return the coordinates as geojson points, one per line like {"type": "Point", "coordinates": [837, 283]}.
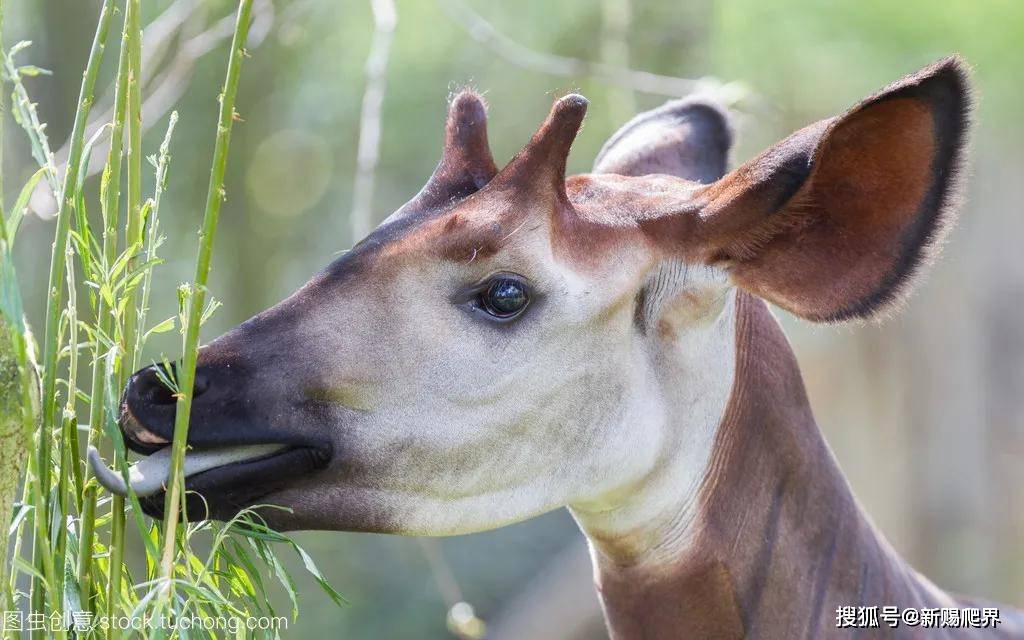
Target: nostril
{"type": "Point", "coordinates": [152, 386]}
{"type": "Point", "coordinates": [149, 386]}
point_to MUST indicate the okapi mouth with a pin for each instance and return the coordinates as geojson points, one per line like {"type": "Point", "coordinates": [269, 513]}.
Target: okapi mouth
{"type": "Point", "coordinates": [220, 479]}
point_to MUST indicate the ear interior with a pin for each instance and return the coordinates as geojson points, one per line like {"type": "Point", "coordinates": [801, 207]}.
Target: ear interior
{"type": "Point", "coordinates": [835, 222]}
{"type": "Point", "coordinates": [688, 138]}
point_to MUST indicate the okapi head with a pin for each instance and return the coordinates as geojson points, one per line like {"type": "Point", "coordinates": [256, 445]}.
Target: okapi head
{"type": "Point", "coordinates": [511, 341]}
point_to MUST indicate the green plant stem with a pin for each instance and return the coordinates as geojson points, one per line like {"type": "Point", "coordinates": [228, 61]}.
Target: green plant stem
{"type": "Point", "coordinates": [134, 228]}
{"type": "Point", "coordinates": [57, 266]}
{"type": "Point", "coordinates": [19, 538]}
{"type": "Point", "coordinates": [3, 114]}
{"type": "Point", "coordinates": [28, 117]}
{"type": "Point", "coordinates": [117, 540]}
{"type": "Point", "coordinates": [60, 243]}
{"type": "Point", "coordinates": [69, 483]}
{"type": "Point", "coordinates": [134, 242]}
{"type": "Point", "coordinates": [110, 211]}
{"type": "Point", "coordinates": [42, 554]}
{"type": "Point", "coordinates": [186, 372]}
{"type": "Point", "coordinates": [22, 347]}
{"type": "Point", "coordinates": [70, 421]}
{"type": "Point", "coordinates": [85, 547]}
{"type": "Point", "coordinates": [153, 230]}
{"type": "Point", "coordinates": [104, 337]}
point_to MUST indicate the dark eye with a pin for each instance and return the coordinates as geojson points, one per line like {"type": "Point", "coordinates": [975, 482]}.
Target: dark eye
{"type": "Point", "coordinates": [504, 298]}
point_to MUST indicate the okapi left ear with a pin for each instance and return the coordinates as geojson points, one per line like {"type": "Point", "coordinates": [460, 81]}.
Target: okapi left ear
{"type": "Point", "coordinates": [466, 164]}
{"type": "Point", "coordinates": [687, 138]}
{"type": "Point", "coordinates": [834, 222]}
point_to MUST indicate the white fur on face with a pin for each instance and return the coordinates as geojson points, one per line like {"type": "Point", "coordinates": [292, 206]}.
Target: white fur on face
{"type": "Point", "coordinates": [472, 425]}
{"type": "Point", "coordinates": [694, 359]}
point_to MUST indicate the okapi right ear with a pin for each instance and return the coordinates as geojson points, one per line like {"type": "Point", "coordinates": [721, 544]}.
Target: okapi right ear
{"type": "Point", "coordinates": [688, 138]}
{"type": "Point", "coordinates": [466, 164]}
{"type": "Point", "coordinates": [835, 221]}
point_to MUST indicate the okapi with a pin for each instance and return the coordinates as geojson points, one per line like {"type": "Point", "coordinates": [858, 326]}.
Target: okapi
{"type": "Point", "coordinates": [511, 342]}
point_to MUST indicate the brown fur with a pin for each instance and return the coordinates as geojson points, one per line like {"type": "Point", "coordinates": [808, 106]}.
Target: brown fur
{"type": "Point", "coordinates": [782, 542]}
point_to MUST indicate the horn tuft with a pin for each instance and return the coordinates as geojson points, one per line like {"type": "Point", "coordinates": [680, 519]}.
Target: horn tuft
{"type": "Point", "coordinates": [466, 127]}
{"type": "Point", "coordinates": [557, 133]}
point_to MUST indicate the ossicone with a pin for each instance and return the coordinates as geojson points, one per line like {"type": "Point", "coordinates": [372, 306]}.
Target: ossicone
{"type": "Point", "coordinates": [466, 164]}
{"type": "Point", "coordinates": [541, 163]}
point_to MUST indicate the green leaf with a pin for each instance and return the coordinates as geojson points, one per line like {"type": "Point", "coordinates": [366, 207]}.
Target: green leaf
{"type": "Point", "coordinates": [10, 295]}
{"type": "Point", "coordinates": [21, 204]}
{"type": "Point", "coordinates": [107, 294]}
{"type": "Point", "coordinates": [210, 309]}
{"type": "Point", "coordinates": [31, 70]}
{"type": "Point", "coordinates": [162, 327]}
{"type": "Point", "coordinates": [249, 566]}
{"type": "Point", "coordinates": [166, 374]}
{"type": "Point", "coordinates": [267, 535]}
{"type": "Point", "coordinates": [27, 568]}
{"type": "Point", "coordinates": [311, 567]}
{"type": "Point", "coordinates": [133, 277]}
{"type": "Point", "coordinates": [19, 517]}
{"type": "Point", "coordinates": [286, 581]}
{"type": "Point", "coordinates": [72, 590]}
{"type": "Point", "coordinates": [87, 243]}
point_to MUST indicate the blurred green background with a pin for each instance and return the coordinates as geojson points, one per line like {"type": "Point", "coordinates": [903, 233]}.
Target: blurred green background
{"type": "Point", "coordinates": [925, 412]}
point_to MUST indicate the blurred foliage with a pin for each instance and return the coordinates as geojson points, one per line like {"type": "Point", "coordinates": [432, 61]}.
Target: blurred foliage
{"type": "Point", "coordinates": [290, 188]}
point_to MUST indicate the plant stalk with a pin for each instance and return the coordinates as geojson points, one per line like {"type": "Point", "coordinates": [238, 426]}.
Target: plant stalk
{"type": "Point", "coordinates": [186, 373]}
{"type": "Point", "coordinates": [105, 330]}
{"type": "Point", "coordinates": [153, 231]}
{"type": "Point", "coordinates": [111, 210]}
{"type": "Point", "coordinates": [57, 277]}
{"type": "Point", "coordinates": [134, 243]}
{"type": "Point", "coordinates": [134, 228]}
{"type": "Point", "coordinates": [3, 113]}
{"type": "Point", "coordinates": [117, 540]}
{"type": "Point", "coordinates": [85, 546]}
{"type": "Point", "coordinates": [60, 243]}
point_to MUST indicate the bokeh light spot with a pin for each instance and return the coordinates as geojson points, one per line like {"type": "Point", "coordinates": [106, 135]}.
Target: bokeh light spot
{"type": "Point", "coordinates": [289, 172]}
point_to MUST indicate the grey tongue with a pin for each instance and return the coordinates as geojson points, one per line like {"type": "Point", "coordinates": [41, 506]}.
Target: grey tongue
{"type": "Point", "coordinates": [150, 475]}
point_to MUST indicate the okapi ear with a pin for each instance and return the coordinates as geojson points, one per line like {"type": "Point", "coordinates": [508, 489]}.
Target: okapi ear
{"type": "Point", "coordinates": [688, 138]}
{"type": "Point", "coordinates": [834, 222]}
{"type": "Point", "coordinates": [466, 164]}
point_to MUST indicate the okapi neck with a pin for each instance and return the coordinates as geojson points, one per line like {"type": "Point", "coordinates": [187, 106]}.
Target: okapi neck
{"type": "Point", "coordinates": [779, 541]}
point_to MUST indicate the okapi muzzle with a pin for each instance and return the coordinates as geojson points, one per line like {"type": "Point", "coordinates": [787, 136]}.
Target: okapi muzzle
{"type": "Point", "coordinates": [512, 341]}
